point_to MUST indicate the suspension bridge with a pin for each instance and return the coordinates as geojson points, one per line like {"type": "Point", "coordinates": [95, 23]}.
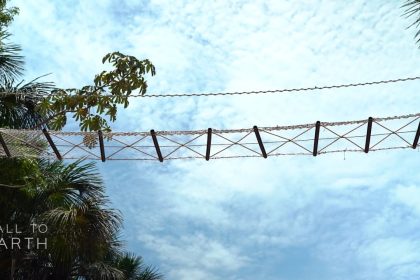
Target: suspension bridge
{"type": "Point", "coordinates": [313, 139]}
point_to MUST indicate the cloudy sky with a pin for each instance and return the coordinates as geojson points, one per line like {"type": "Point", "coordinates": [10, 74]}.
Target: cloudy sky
{"type": "Point", "coordinates": [280, 218]}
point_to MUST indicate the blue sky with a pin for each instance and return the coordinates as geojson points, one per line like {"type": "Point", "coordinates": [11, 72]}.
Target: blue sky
{"type": "Point", "coordinates": [280, 218]}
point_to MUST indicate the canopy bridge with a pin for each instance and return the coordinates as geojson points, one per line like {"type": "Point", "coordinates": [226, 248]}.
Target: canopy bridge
{"type": "Point", "coordinates": [314, 139]}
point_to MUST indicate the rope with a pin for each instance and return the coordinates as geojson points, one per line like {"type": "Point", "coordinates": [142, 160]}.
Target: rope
{"type": "Point", "coordinates": [224, 131]}
{"type": "Point", "coordinates": [307, 89]}
{"type": "Point", "coordinates": [248, 156]}
{"type": "Point", "coordinates": [281, 90]}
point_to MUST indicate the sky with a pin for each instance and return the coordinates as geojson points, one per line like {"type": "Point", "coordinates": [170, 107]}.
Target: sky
{"type": "Point", "coordinates": [331, 217]}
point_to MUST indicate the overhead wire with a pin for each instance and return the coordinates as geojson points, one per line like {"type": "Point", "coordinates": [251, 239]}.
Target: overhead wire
{"type": "Point", "coordinates": [282, 90]}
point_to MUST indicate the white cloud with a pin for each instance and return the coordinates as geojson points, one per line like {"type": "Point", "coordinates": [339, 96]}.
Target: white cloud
{"type": "Point", "coordinates": [196, 255]}
{"type": "Point", "coordinates": [408, 196]}
{"type": "Point", "coordinates": [393, 257]}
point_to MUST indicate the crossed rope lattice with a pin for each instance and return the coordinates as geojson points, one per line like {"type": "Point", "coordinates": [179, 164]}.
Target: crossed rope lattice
{"type": "Point", "coordinates": [373, 134]}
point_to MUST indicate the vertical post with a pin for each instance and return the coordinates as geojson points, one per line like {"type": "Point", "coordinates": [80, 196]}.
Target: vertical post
{"type": "Point", "coordinates": [209, 131]}
{"type": "Point", "coordinates": [368, 134]}
{"type": "Point", "coordinates": [50, 141]}
{"type": "Point", "coordinates": [101, 145]}
{"type": "Point", "coordinates": [156, 143]}
{"type": "Point", "coordinates": [260, 142]}
{"type": "Point", "coordinates": [316, 138]}
{"type": "Point", "coordinates": [416, 138]}
{"type": "Point", "coordinates": [3, 144]}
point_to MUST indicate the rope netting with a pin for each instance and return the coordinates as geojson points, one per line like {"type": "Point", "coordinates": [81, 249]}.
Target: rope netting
{"type": "Point", "coordinates": [373, 134]}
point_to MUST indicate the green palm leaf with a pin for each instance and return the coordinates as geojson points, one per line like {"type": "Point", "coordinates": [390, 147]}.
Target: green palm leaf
{"type": "Point", "coordinates": [11, 62]}
{"type": "Point", "coordinates": [413, 10]}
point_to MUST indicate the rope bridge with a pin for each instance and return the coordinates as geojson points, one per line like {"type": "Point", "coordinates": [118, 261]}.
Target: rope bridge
{"type": "Point", "coordinates": [318, 138]}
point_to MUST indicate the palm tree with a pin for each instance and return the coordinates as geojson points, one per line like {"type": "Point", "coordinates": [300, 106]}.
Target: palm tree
{"type": "Point", "coordinates": [70, 200]}
{"type": "Point", "coordinates": [82, 230]}
{"type": "Point", "coordinates": [18, 100]}
{"type": "Point", "coordinates": [73, 204]}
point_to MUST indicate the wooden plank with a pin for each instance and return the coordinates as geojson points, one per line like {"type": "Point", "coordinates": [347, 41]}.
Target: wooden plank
{"type": "Point", "coordinates": [51, 142]}
{"type": "Point", "coordinates": [101, 145]}
{"type": "Point", "coordinates": [3, 144]}
{"type": "Point", "coordinates": [260, 142]}
{"type": "Point", "coordinates": [209, 131]}
{"type": "Point", "coordinates": [368, 134]}
{"type": "Point", "coordinates": [416, 138]}
{"type": "Point", "coordinates": [316, 138]}
{"type": "Point", "coordinates": [156, 143]}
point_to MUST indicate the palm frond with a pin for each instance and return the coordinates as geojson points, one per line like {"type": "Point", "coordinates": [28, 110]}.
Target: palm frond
{"type": "Point", "coordinates": [103, 271]}
{"type": "Point", "coordinates": [135, 269]}
{"type": "Point", "coordinates": [412, 9]}
{"type": "Point", "coordinates": [150, 273]}
{"type": "Point", "coordinates": [11, 62]}
{"type": "Point", "coordinates": [18, 102]}
{"type": "Point", "coordinates": [70, 185]}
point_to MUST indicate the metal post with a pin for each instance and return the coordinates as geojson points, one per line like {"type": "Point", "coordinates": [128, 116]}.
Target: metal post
{"type": "Point", "coordinates": [416, 138]}
{"type": "Point", "coordinates": [316, 138]}
{"type": "Point", "coordinates": [209, 131]}
{"type": "Point", "coordinates": [3, 144]}
{"type": "Point", "coordinates": [156, 143]}
{"type": "Point", "coordinates": [50, 141]}
{"type": "Point", "coordinates": [368, 134]}
{"type": "Point", "coordinates": [260, 142]}
{"type": "Point", "coordinates": [101, 145]}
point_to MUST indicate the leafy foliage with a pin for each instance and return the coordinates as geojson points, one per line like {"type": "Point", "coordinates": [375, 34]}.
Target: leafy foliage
{"type": "Point", "coordinates": [38, 104]}
{"type": "Point", "coordinates": [90, 103]}
{"type": "Point", "coordinates": [6, 14]}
